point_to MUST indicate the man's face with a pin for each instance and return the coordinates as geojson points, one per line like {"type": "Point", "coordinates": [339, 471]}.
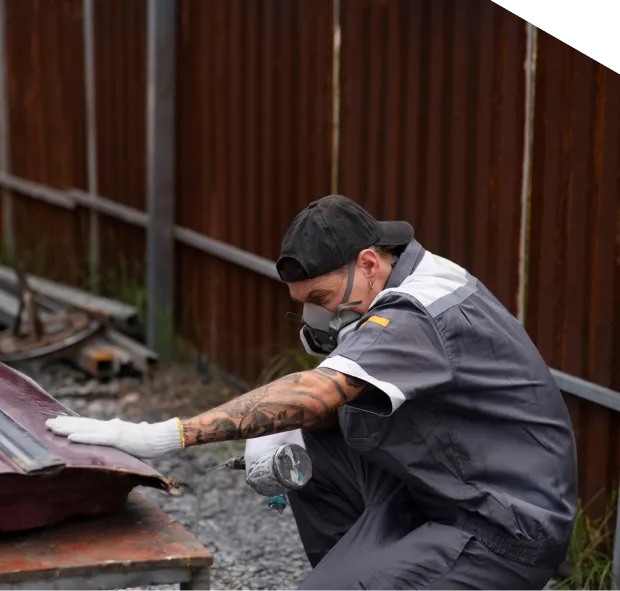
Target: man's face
{"type": "Point", "coordinates": [327, 291]}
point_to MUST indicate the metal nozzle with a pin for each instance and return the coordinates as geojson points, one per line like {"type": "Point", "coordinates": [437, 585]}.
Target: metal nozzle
{"type": "Point", "coordinates": [277, 502]}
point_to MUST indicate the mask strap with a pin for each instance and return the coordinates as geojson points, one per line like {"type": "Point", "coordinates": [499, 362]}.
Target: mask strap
{"type": "Point", "coordinates": [347, 293]}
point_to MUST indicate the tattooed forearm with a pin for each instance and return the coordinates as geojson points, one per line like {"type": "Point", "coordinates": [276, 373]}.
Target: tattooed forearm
{"type": "Point", "coordinates": [307, 399]}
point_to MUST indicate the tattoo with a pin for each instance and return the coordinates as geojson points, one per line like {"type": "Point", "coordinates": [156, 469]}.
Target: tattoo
{"type": "Point", "coordinates": [305, 399]}
{"type": "Point", "coordinates": [328, 373]}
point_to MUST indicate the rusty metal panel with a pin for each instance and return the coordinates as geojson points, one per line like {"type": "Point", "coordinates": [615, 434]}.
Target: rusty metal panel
{"type": "Point", "coordinates": [432, 126]}
{"type": "Point", "coordinates": [45, 85]}
{"type": "Point", "coordinates": [120, 85]}
{"type": "Point", "coordinates": [254, 139]}
{"type": "Point", "coordinates": [138, 538]}
{"type": "Point", "coordinates": [573, 310]}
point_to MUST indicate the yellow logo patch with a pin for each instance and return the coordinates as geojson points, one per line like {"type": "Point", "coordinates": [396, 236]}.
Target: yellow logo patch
{"type": "Point", "coordinates": [377, 320]}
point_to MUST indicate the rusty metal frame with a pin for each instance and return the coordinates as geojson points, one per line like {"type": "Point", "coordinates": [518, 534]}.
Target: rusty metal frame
{"type": "Point", "coordinates": [152, 550]}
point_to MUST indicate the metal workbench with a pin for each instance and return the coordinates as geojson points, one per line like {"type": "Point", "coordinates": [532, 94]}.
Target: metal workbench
{"type": "Point", "coordinates": [140, 545]}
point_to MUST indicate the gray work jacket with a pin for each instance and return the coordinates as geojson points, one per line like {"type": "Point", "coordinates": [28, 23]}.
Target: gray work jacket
{"type": "Point", "coordinates": [463, 408]}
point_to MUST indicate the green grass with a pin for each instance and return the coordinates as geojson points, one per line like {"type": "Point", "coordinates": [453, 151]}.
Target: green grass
{"type": "Point", "coordinates": [287, 362]}
{"type": "Point", "coordinates": [590, 550]}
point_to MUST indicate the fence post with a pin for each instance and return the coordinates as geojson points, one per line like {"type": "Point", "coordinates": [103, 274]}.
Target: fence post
{"type": "Point", "coordinates": [528, 138]}
{"type": "Point", "coordinates": [91, 140]}
{"type": "Point", "coordinates": [8, 227]}
{"type": "Point", "coordinates": [160, 171]}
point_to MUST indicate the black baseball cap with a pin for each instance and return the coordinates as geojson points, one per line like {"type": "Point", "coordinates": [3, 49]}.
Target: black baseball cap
{"type": "Point", "coordinates": [331, 232]}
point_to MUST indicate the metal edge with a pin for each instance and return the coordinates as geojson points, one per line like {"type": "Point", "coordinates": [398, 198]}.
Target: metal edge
{"type": "Point", "coordinates": [23, 450]}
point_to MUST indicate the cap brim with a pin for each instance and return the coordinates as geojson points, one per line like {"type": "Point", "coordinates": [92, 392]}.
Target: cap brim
{"type": "Point", "coordinates": [395, 233]}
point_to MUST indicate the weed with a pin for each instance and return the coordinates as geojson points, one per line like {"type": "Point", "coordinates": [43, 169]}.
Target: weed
{"type": "Point", "coordinates": [590, 550]}
{"type": "Point", "coordinates": [126, 282]}
{"type": "Point", "coordinates": [287, 362]}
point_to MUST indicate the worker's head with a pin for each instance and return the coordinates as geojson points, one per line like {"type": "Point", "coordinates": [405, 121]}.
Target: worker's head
{"type": "Point", "coordinates": [335, 259]}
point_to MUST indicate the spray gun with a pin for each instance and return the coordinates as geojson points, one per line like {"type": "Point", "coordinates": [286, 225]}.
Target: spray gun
{"type": "Point", "coordinates": [275, 473]}
{"type": "Point", "coordinates": [271, 475]}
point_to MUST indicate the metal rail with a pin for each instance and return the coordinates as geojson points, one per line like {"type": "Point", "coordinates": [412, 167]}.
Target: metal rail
{"type": "Point", "coordinates": [257, 264]}
{"type": "Point", "coordinates": [73, 198]}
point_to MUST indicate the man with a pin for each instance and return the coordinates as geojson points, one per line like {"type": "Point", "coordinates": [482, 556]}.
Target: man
{"type": "Point", "coordinates": [443, 455]}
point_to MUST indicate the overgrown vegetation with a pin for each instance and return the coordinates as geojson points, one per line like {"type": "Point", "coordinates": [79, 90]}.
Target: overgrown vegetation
{"type": "Point", "coordinates": [590, 551]}
{"type": "Point", "coordinates": [286, 362]}
{"type": "Point", "coordinates": [126, 282]}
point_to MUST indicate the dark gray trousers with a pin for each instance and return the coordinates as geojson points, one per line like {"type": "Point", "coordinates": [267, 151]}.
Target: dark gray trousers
{"type": "Point", "coordinates": [361, 530]}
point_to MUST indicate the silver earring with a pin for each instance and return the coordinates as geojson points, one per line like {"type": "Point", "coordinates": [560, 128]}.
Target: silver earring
{"type": "Point", "coordinates": [372, 285]}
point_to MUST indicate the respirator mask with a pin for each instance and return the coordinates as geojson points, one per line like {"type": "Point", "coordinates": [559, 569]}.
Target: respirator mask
{"type": "Point", "coordinates": [324, 330]}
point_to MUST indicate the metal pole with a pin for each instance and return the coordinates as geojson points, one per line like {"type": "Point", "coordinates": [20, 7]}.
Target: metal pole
{"type": "Point", "coordinates": [91, 139]}
{"type": "Point", "coordinates": [160, 167]}
{"type": "Point", "coordinates": [8, 226]}
{"type": "Point", "coordinates": [530, 95]}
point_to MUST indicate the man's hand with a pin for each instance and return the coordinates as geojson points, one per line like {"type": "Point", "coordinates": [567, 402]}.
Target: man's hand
{"type": "Point", "coordinates": [304, 399]}
{"type": "Point", "coordinates": [142, 440]}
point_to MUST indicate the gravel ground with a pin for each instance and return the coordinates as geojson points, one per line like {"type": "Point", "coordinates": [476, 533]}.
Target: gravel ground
{"type": "Point", "coordinates": [253, 547]}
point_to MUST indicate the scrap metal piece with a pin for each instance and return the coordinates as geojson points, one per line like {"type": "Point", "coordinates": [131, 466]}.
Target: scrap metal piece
{"type": "Point", "coordinates": [23, 450]}
{"type": "Point", "coordinates": [74, 297]}
{"type": "Point", "coordinates": [73, 333]}
{"type": "Point", "coordinates": [142, 357]}
{"type": "Point", "coordinates": [88, 480]}
{"type": "Point", "coordinates": [28, 303]}
{"type": "Point", "coordinates": [97, 359]}
{"type": "Point", "coordinates": [138, 545]}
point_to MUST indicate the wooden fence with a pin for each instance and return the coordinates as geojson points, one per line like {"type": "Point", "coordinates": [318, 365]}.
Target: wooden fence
{"type": "Point", "coordinates": [499, 144]}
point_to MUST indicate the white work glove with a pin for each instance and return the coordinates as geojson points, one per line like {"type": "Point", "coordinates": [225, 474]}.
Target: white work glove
{"type": "Point", "coordinates": [143, 440]}
{"type": "Point", "coordinates": [259, 446]}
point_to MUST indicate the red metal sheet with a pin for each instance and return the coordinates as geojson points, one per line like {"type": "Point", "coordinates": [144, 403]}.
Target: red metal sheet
{"type": "Point", "coordinates": [91, 479]}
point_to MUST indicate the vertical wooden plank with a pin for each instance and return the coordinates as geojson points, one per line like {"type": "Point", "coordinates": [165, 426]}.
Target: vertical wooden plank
{"type": "Point", "coordinates": [8, 224]}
